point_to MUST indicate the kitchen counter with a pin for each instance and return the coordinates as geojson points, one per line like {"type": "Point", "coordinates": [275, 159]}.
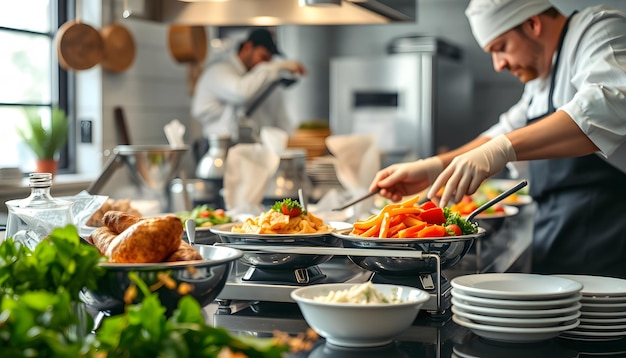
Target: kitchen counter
{"type": "Point", "coordinates": [428, 337]}
{"type": "Point", "coordinates": [433, 334]}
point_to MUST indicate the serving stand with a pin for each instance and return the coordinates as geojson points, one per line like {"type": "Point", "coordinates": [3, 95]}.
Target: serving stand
{"type": "Point", "coordinates": [249, 284]}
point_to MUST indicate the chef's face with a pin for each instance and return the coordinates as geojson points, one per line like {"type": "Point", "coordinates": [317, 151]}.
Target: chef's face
{"type": "Point", "coordinates": [253, 55]}
{"type": "Point", "coordinates": [519, 53]}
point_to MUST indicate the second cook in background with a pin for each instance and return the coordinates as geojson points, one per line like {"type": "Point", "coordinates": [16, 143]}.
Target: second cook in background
{"type": "Point", "coordinates": [570, 123]}
{"type": "Point", "coordinates": [226, 88]}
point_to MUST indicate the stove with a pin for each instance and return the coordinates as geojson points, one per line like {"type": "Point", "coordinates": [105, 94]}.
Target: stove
{"type": "Point", "coordinates": [253, 285]}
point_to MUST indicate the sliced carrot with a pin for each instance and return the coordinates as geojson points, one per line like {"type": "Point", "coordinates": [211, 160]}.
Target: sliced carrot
{"type": "Point", "coordinates": [411, 210]}
{"type": "Point", "coordinates": [372, 231]}
{"type": "Point", "coordinates": [411, 231]}
{"type": "Point", "coordinates": [410, 202]}
{"type": "Point", "coordinates": [432, 231]}
{"type": "Point", "coordinates": [393, 230]}
{"type": "Point", "coordinates": [384, 226]}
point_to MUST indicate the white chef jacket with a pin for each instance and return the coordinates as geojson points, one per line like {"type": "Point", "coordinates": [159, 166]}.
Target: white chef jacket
{"type": "Point", "coordinates": [225, 90]}
{"type": "Point", "coordinates": [590, 85]}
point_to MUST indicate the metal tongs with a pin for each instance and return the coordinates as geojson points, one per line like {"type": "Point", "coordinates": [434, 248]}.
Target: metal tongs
{"type": "Point", "coordinates": [495, 200]}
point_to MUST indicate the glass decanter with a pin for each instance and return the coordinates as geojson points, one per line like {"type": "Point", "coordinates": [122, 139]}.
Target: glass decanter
{"type": "Point", "coordinates": [31, 219]}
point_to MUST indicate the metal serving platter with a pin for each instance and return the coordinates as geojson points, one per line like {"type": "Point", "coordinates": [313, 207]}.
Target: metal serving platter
{"type": "Point", "coordinates": [450, 250]}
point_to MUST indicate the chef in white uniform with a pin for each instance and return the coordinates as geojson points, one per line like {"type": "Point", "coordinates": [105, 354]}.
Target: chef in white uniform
{"type": "Point", "coordinates": [227, 88]}
{"type": "Point", "coordinates": [570, 123]}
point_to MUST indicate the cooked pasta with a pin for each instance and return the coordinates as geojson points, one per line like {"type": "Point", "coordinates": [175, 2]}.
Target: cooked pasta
{"type": "Point", "coordinates": [364, 293]}
{"type": "Point", "coordinates": [274, 222]}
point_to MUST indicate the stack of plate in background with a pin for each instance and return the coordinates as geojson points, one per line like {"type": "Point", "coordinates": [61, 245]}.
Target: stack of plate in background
{"type": "Point", "coordinates": [515, 307]}
{"type": "Point", "coordinates": [11, 177]}
{"type": "Point", "coordinates": [603, 311]}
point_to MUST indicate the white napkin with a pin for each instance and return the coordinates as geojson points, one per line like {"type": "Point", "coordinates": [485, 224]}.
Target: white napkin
{"type": "Point", "coordinates": [248, 170]}
{"type": "Point", "coordinates": [357, 162]}
{"type": "Point", "coordinates": [274, 138]}
{"type": "Point", "coordinates": [174, 132]}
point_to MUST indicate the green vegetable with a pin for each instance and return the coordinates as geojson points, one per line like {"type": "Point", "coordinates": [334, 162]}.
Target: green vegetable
{"type": "Point", "coordinates": [145, 329]}
{"type": "Point", "coordinates": [39, 302]}
{"type": "Point", "coordinates": [205, 216]}
{"type": "Point", "coordinates": [467, 227]}
{"type": "Point", "coordinates": [40, 309]}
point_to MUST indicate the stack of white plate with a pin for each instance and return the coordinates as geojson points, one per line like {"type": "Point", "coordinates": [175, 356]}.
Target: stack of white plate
{"type": "Point", "coordinates": [603, 311]}
{"type": "Point", "coordinates": [516, 307]}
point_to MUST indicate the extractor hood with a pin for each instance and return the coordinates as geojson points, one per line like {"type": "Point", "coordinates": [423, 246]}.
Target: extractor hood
{"type": "Point", "coordinates": [286, 12]}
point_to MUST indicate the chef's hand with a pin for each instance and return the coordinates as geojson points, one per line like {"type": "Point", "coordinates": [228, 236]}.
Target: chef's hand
{"type": "Point", "coordinates": [294, 67]}
{"type": "Point", "coordinates": [398, 180]}
{"type": "Point", "coordinates": [467, 171]}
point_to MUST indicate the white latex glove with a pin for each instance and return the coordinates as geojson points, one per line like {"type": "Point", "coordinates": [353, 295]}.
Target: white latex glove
{"type": "Point", "coordinates": [398, 180]}
{"type": "Point", "coordinates": [467, 171]}
{"type": "Point", "coordinates": [294, 67]}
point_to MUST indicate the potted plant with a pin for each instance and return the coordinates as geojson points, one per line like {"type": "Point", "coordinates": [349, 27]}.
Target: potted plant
{"type": "Point", "coordinates": [45, 142]}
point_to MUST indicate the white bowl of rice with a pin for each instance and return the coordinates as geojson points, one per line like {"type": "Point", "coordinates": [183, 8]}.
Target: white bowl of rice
{"type": "Point", "coordinates": [359, 315]}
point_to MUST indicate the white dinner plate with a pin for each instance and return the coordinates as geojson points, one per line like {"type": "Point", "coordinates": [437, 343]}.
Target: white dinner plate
{"type": "Point", "coordinates": [599, 286]}
{"type": "Point", "coordinates": [601, 328]}
{"type": "Point", "coordinates": [502, 312]}
{"type": "Point", "coordinates": [604, 307]}
{"type": "Point", "coordinates": [515, 322]}
{"type": "Point", "coordinates": [514, 304]}
{"type": "Point", "coordinates": [513, 334]}
{"type": "Point", "coordinates": [602, 321]}
{"type": "Point", "coordinates": [575, 332]}
{"type": "Point", "coordinates": [603, 299]}
{"type": "Point", "coordinates": [577, 337]}
{"type": "Point", "coordinates": [593, 314]}
{"type": "Point", "coordinates": [516, 286]}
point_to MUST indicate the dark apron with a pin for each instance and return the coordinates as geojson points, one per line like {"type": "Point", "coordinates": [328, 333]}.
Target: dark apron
{"type": "Point", "coordinates": [580, 226]}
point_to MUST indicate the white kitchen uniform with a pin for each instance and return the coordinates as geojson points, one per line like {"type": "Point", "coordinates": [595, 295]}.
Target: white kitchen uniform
{"type": "Point", "coordinates": [578, 199]}
{"type": "Point", "coordinates": [225, 90]}
{"type": "Point", "coordinates": [590, 84]}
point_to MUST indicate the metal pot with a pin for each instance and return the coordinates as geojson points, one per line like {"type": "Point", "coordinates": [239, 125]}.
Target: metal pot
{"type": "Point", "coordinates": [289, 177]}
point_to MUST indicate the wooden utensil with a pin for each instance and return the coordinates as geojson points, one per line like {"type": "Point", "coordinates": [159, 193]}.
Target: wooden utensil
{"type": "Point", "coordinates": [79, 46]}
{"type": "Point", "coordinates": [119, 45]}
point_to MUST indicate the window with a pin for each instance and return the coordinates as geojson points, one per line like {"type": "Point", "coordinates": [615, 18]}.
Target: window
{"type": "Point", "coordinates": [30, 76]}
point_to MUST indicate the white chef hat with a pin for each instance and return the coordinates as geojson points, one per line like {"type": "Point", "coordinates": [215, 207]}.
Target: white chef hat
{"type": "Point", "coordinates": [491, 18]}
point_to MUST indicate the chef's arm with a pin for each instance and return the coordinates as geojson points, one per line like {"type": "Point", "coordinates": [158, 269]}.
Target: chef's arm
{"type": "Point", "coordinates": [556, 136]}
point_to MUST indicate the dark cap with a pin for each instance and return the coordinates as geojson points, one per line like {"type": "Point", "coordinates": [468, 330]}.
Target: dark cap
{"type": "Point", "coordinates": [262, 37]}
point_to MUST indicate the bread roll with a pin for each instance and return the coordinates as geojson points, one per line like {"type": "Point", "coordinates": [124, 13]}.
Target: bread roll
{"type": "Point", "coordinates": [147, 241]}
{"type": "Point", "coordinates": [119, 221]}
{"type": "Point", "coordinates": [185, 252]}
{"type": "Point", "coordinates": [101, 238]}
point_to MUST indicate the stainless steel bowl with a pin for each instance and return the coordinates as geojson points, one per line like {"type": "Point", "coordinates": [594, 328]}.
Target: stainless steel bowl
{"type": "Point", "coordinates": [450, 250]}
{"type": "Point", "coordinates": [277, 261]}
{"type": "Point", "coordinates": [206, 277]}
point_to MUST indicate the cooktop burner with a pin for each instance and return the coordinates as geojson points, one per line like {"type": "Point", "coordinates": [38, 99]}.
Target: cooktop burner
{"type": "Point", "coordinates": [299, 276]}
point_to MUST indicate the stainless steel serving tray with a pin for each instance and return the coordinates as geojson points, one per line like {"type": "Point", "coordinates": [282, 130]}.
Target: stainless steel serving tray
{"type": "Point", "coordinates": [450, 250]}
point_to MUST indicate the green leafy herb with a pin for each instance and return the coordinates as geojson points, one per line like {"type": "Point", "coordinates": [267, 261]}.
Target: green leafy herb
{"type": "Point", "coordinates": [41, 314]}
{"type": "Point", "coordinates": [455, 218]}
{"type": "Point", "coordinates": [145, 329]}
{"type": "Point", "coordinates": [289, 207]}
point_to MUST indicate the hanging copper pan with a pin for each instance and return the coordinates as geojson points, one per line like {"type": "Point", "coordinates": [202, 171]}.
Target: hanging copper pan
{"type": "Point", "coordinates": [79, 46]}
{"type": "Point", "coordinates": [119, 45]}
{"type": "Point", "coordinates": [119, 48]}
{"type": "Point", "coordinates": [188, 44]}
